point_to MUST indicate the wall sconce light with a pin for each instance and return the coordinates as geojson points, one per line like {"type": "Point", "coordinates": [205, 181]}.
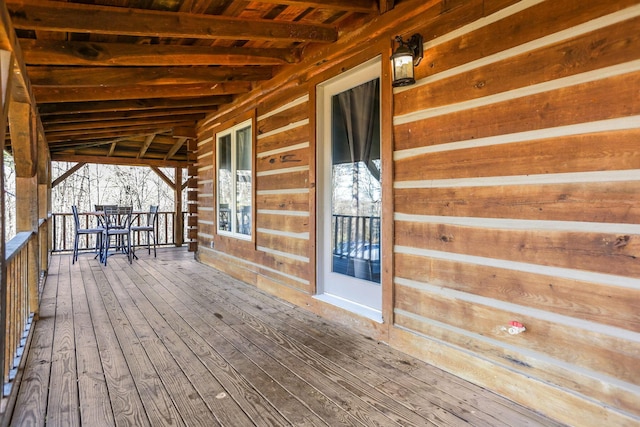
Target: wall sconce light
{"type": "Point", "coordinates": [407, 55]}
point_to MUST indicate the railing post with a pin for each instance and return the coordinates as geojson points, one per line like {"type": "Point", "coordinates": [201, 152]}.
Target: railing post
{"type": "Point", "coordinates": [33, 275]}
{"type": "Point", "coordinates": [54, 233]}
{"type": "Point", "coordinates": [43, 236]}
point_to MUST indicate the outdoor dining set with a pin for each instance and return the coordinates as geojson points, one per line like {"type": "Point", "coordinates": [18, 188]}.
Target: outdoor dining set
{"type": "Point", "coordinates": [114, 229]}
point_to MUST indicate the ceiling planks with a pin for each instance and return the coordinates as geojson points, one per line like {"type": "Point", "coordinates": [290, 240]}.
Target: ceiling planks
{"type": "Point", "coordinates": [130, 79]}
{"type": "Point", "coordinates": [93, 19]}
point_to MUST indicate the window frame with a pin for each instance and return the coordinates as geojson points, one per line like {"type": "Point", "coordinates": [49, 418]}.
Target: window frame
{"type": "Point", "coordinates": [232, 131]}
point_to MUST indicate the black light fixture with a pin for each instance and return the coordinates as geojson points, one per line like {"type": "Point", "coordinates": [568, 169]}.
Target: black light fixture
{"type": "Point", "coordinates": [408, 55]}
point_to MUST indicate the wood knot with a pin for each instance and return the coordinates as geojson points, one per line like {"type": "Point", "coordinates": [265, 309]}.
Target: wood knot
{"type": "Point", "coordinates": [91, 51]}
{"type": "Point", "coordinates": [288, 158]}
{"type": "Point", "coordinates": [446, 239]}
{"type": "Point", "coordinates": [621, 241]}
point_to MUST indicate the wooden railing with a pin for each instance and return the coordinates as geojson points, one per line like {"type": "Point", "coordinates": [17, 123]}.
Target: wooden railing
{"type": "Point", "coordinates": [19, 303]}
{"type": "Point", "coordinates": [64, 230]}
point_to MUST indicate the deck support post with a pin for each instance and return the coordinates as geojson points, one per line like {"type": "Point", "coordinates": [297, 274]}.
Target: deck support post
{"type": "Point", "coordinates": [44, 200]}
{"type": "Point", "coordinates": [23, 125]}
{"type": "Point", "coordinates": [178, 221]}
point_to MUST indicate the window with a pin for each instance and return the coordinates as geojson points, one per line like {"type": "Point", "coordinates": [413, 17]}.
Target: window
{"type": "Point", "coordinates": [235, 171]}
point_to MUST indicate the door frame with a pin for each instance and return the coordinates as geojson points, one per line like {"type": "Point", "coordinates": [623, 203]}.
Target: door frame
{"type": "Point", "coordinates": [373, 68]}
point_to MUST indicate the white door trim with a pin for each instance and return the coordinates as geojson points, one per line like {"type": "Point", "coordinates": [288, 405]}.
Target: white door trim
{"type": "Point", "coordinates": [364, 298]}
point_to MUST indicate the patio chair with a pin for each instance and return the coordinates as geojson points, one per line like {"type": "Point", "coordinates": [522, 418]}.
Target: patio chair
{"type": "Point", "coordinates": [100, 208]}
{"type": "Point", "coordinates": [149, 228]}
{"type": "Point", "coordinates": [117, 223]}
{"type": "Point", "coordinates": [83, 231]}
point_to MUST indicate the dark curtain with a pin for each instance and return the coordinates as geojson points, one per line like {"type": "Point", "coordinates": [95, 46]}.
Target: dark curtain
{"type": "Point", "coordinates": [359, 112]}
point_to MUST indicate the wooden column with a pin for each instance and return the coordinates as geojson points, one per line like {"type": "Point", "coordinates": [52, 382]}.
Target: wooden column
{"type": "Point", "coordinates": [27, 220]}
{"type": "Point", "coordinates": [22, 121]}
{"type": "Point", "coordinates": [44, 199]}
{"type": "Point", "coordinates": [178, 222]}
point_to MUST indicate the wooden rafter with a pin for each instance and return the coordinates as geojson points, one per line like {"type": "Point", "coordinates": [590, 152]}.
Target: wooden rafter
{"type": "Point", "coordinates": [81, 94]}
{"type": "Point", "coordinates": [101, 159]}
{"type": "Point", "coordinates": [187, 132]}
{"type": "Point", "coordinates": [147, 142]}
{"type": "Point", "coordinates": [73, 17]}
{"type": "Point", "coordinates": [21, 87]}
{"type": "Point", "coordinates": [111, 76]}
{"type": "Point", "coordinates": [128, 132]}
{"type": "Point", "coordinates": [61, 52]}
{"type": "Point", "coordinates": [108, 76]}
{"type": "Point", "coordinates": [174, 149]}
{"type": "Point", "coordinates": [361, 6]}
{"type": "Point", "coordinates": [107, 117]}
{"type": "Point", "coordinates": [132, 105]}
{"type": "Point", "coordinates": [98, 125]}
{"type": "Point", "coordinates": [62, 146]}
{"type": "Point", "coordinates": [386, 5]}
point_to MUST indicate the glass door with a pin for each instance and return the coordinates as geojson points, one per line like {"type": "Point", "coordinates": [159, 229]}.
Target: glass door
{"type": "Point", "coordinates": [350, 191]}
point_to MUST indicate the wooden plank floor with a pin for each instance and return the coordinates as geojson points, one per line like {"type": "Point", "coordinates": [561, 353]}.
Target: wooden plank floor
{"type": "Point", "coordinates": [171, 342]}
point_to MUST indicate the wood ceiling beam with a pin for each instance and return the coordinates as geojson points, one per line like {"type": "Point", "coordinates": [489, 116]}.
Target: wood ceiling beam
{"type": "Point", "coordinates": [54, 52]}
{"type": "Point", "coordinates": [130, 132]}
{"type": "Point", "coordinates": [20, 86]}
{"type": "Point", "coordinates": [187, 132]}
{"type": "Point", "coordinates": [174, 149]}
{"type": "Point", "coordinates": [65, 146]}
{"type": "Point", "coordinates": [111, 76]}
{"type": "Point", "coordinates": [386, 6]}
{"type": "Point", "coordinates": [92, 126]}
{"type": "Point", "coordinates": [361, 6]}
{"type": "Point", "coordinates": [124, 161]}
{"type": "Point", "coordinates": [147, 142]}
{"type": "Point", "coordinates": [317, 59]}
{"type": "Point", "coordinates": [80, 18]}
{"type": "Point", "coordinates": [138, 144]}
{"type": "Point", "coordinates": [131, 105]}
{"type": "Point", "coordinates": [197, 113]}
{"type": "Point", "coordinates": [48, 94]}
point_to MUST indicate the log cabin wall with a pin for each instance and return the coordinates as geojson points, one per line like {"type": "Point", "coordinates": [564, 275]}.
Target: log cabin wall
{"type": "Point", "coordinates": [515, 181]}
{"type": "Point", "coordinates": [280, 248]}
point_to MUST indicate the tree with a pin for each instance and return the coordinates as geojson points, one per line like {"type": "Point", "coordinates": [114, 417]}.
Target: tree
{"type": "Point", "coordinates": [139, 187]}
{"type": "Point", "coordinates": [10, 196]}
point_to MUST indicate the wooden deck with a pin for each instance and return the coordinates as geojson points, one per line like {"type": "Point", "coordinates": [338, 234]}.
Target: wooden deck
{"type": "Point", "coordinates": [171, 342]}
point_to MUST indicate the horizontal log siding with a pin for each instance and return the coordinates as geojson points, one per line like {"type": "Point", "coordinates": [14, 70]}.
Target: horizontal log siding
{"type": "Point", "coordinates": [280, 251]}
{"type": "Point", "coordinates": [517, 174]}
{"type": "Point", "coordinates": [282, 169]}
{"type": "Point", "coordinates": [516, 169]}
{"type": "Point", "coordinates": [206, 191]}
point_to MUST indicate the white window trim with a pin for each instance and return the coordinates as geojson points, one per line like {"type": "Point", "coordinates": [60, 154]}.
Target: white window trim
{"type": "Point", "coordinates": [232, 206]}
